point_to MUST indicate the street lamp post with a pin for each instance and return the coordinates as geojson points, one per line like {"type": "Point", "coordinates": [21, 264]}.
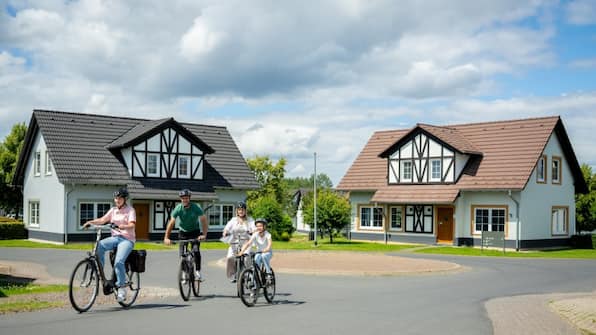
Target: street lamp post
{"type": "Point", "coordinates": [315, 197]}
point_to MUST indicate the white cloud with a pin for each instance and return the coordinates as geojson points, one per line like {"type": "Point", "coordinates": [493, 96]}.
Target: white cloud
{"type": "Point", "coordinates": [581, 12]}
{"type": "Point", "coordinates": [199, 40]}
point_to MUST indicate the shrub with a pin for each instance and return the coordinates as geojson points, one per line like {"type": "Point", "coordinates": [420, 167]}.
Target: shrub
{"type": "Point", "coordinates": [278, 222]}
{"type": "Point", "coordinates": [12, 231]}
{"type": "Point", "coordinates": [581, 241]}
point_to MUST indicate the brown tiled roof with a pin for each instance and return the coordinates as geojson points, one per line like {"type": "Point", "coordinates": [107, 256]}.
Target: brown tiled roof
{"type": "Point", "coordinates": [510, 151]}
{"type": "Point", "coordinates": [408, 194]}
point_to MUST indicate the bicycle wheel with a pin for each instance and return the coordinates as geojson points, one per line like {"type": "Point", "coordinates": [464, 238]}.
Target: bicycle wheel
{"type": "Point", "coordinates": [196, 284]}
{"type": "Point", "coordinates": [133, 286]}
{"type": "Point", "coordinates": [83, 286]}
{"type": "Point", "coordinates": [247, 287]}
{"type": "Point", "coordinates": [269, 288]}
{"type": "Point", "coordinates": [184, 277]}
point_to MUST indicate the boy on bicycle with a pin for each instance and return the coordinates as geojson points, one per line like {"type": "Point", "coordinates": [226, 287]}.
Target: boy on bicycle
{"type": "Point", "coordinates": [262, 241]}
{"type": "Point", "coordinates": [189, 214]}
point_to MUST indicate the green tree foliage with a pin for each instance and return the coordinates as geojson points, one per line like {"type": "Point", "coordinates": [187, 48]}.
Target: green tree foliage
{"type": "Point", "coordinates": [270, 177]}
{"type": "Point", "coordinates": [271, 200]}
{"type": "Point", "coordinates": [323, 181]}
{"type": "Point", "coordinates": [333, 212]}
{"type": "Point", "coordinates": [586, 203]}
{"type": "Point", "coordinates": [11, 197]}
{"type": "Point", "coordinates": [280, 224]}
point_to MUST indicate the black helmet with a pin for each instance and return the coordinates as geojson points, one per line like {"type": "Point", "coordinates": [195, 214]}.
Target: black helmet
{"type": "Point", "coordinates": [184, 193]}
{"type": "Point", "coordinates": [121, 193]}
{"type": "Point", "coordinates": [241, 204]}
{"type": "Point", "coordinates": [262, 220]}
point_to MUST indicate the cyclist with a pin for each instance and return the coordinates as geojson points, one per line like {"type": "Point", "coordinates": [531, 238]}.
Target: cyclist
{"type": "Point", "coordinates": [240, 227]}
{"type": "Point", "coordinates": [189, 214]}
{"type": "Point", "coordinates": [123, 238]}
{"type": "Point", "coordinates": [262, 241]}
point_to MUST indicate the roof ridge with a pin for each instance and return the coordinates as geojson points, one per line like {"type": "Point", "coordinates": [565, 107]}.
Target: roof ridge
{"type": "Point", "coordinates": [507, 121]}
{"type": "Point", "coordinates": [89, 114]}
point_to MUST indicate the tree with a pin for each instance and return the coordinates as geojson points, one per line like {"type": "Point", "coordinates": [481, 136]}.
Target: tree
{"type": "Point", "coordinates": [279, 223]}
{"type": "Point", "coordinates": [585, 204]}
{"type": "Point", "coordinates": [10, 196]}
{"type": "Point", "coordinates": [323, 181]}
{"type": "Point", "coordinates": [270, 177]}
{"type": "Point", "coordinates": [333, 212]}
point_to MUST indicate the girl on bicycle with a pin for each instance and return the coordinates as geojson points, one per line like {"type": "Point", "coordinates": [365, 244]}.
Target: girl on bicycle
{"type": "Point", "coordinates": [240, 227]}
{"type": "Point", "coordinates": [262, 241]}
{"type": "Point", "coordinates": [123, 238]}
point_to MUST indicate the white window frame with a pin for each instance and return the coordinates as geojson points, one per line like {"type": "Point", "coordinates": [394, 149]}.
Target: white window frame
{"type": "Point", "coordinates": [96, 213]}
{"type": "Point", "coordinates": [371, 223]}
{"type": "Point", "coordinates": [222, 219]}
{"type": "Point", "coordinates": [156, 173]}
{"type": "Point", "coordinates": [403, 170]}
{"type": "Point", "coordinates": [432, 169]}
{"type": "Point", "coordinates": [559, 221]}
{"type": "Point", "coordinates": [490, 216]}
{"type": "Point", "coordinates": [48, 164]}
{"type": "Point", "coordinates": [188, 167]}
{"type": "Point", "coordinates": [541, 170]}
{"type": "Point", "coordinates": [34, 213]}
{"type": "Point", "coordinates": [392, 225]}
{"type": "Point", "coordinates": [37, 163]}
{"type": "Point", "coordinates": [556, 172]}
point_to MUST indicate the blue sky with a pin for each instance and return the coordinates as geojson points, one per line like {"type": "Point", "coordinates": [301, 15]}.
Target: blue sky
{"type": "Point", "coordinates": [289, 80]}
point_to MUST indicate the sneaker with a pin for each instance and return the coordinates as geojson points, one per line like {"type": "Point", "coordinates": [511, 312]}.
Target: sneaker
{"type": "Point", "coordinates": [198, 276]}
{"type": "Point", "coordinates": [233, 280]}
{"type": "Point", "coordinates": [121, 294]}
{"type": "Point", "coordinates": [184, 278]}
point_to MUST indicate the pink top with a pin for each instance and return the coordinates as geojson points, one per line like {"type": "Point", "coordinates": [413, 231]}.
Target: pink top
{"type": "Point", "coordinates": [120, 217]}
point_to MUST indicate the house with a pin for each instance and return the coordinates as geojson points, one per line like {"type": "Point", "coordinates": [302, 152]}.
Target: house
{"type": "Point", "coordinates": [71, 163]}
{"type": "Point", "coordinates": [298, 203]}
{"type": "Point", "coordinates": [447, 184]}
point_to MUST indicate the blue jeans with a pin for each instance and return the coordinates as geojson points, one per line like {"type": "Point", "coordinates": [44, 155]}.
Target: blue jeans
{"type": "Point", "coordinates": [124, 248]}
{"type": "Point", "coordinates": [265, 258]}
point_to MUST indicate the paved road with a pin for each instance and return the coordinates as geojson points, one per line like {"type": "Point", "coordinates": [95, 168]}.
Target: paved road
{"type": "Point", "coordinates": [412, 304]}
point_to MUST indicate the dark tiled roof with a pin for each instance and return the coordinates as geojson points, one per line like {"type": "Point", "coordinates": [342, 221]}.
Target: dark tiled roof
{"type": "Point", "coordinates": [78, 145]}
{"type": "Point", "coordinates": [510, 151]}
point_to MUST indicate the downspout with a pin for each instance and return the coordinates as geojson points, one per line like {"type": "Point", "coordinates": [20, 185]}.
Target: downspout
{"type": "Point", "coordinates": [518, 225]}
{"type": "Point", "coordinates": [66, 194]}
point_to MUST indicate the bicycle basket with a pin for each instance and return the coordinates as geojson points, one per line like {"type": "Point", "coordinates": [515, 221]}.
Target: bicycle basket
{"type": "Point", "coordinates": [136, 259]}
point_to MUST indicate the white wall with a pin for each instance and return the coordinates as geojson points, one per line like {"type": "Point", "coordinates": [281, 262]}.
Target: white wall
{"type": "Point", "coordinates": [43, 188]}
{"type": "Point", "coordinates": [86, 193]}
{"type": "Point", "coordinates": [463, 211]}
{"type": "Point", "coordinates": [358, 198]}
{"type": "Point", "coordinates": [538, 199]}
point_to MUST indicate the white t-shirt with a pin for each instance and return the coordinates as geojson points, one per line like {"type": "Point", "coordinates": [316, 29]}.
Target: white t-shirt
{"type": "Point", "coordinates": [240, 231]}
{"type": "Point", "coordinates": [259, 241]}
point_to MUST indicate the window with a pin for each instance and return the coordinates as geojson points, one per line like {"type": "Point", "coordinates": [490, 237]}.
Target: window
{"type": "Point", "coordinates": [396, 218]}
{"type": "Point", "coordinates": [406, 170]}
{"type": "Point", "coordinates": [540, 170]}
{"type": "Point", "coordinates": [37, 163]}
{"type": "Point", "coordinates": [556, 170]}
{"type": "Point", "coordinates": [48, 163]}
{"type": "Point", "coordinates": [152, 160]}
{"type": "Point", "coordinates": [183, 167]}
{"type": "Point", "coordinates": [435, 165]}
{"type": "Point", "coordinates": [219, 215]}
{"type": "Point", "coordinates": [92, 210]}
{"type": "Point", "coordinates": [371, 217]}
{"type": "Point", "coordinates": [489, 219]}
{"type": "Point", "coordinates": [559, 221]}
{"type": "Point", "coordinates": [34, 213]}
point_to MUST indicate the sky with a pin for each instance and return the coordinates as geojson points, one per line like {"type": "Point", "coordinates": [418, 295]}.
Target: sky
{"type": "Point", "coordinates": [294, 78]}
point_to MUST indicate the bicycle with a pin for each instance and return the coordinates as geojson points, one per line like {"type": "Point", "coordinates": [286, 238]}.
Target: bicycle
{"type": "Point", "coordinates": [186, 271]}
{"type": "Point", "coordinates": [252, 279]}
{"type": "Point", "coordinates": [240, 260]}
{"type": "Point", "coordinates": [84, 282]}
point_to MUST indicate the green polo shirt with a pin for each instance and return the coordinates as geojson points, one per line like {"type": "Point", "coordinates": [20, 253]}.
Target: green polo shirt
{"type": "Point", "coordinates": [188, 217]}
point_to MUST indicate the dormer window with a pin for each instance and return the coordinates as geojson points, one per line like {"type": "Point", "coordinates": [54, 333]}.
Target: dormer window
{"type": "Point", "coordinates": [183, 167]}
{"type": "Point", "coordinates": [152, 165]}
{"type": "Point", "coordinates": [435, 165]}
{"type": "Point", "coordinates": [406, 171]}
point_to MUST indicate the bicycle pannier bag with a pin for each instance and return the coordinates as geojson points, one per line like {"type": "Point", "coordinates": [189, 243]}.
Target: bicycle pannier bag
{"type": "Point", "coordinates": [136, 259]}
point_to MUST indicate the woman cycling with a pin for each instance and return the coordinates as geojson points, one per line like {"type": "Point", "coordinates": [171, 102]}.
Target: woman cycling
{"type": "Point", "coordinates": [240, 227]}
{"type": "Point", "coordinates": [123, 238]}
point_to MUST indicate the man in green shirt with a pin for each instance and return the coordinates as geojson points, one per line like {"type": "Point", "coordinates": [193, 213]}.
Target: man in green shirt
{"type": "Point", "coordinates": [189, 214]}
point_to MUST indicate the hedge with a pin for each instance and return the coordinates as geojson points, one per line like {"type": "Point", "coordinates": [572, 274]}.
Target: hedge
{"type": "Point", "coordinates": [12, 231]}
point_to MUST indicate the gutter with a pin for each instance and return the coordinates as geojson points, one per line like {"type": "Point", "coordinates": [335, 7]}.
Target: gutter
{"type": "Point", "coordinates": [518, 225]}
{"type": "Point", "coordinates": [66, 194]}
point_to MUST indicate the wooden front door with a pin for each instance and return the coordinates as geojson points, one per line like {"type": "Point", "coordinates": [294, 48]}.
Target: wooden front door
{"type": "Point", "coordinates": [445, 224]}
{"type": "Point", "coordinates": [142, 226]}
